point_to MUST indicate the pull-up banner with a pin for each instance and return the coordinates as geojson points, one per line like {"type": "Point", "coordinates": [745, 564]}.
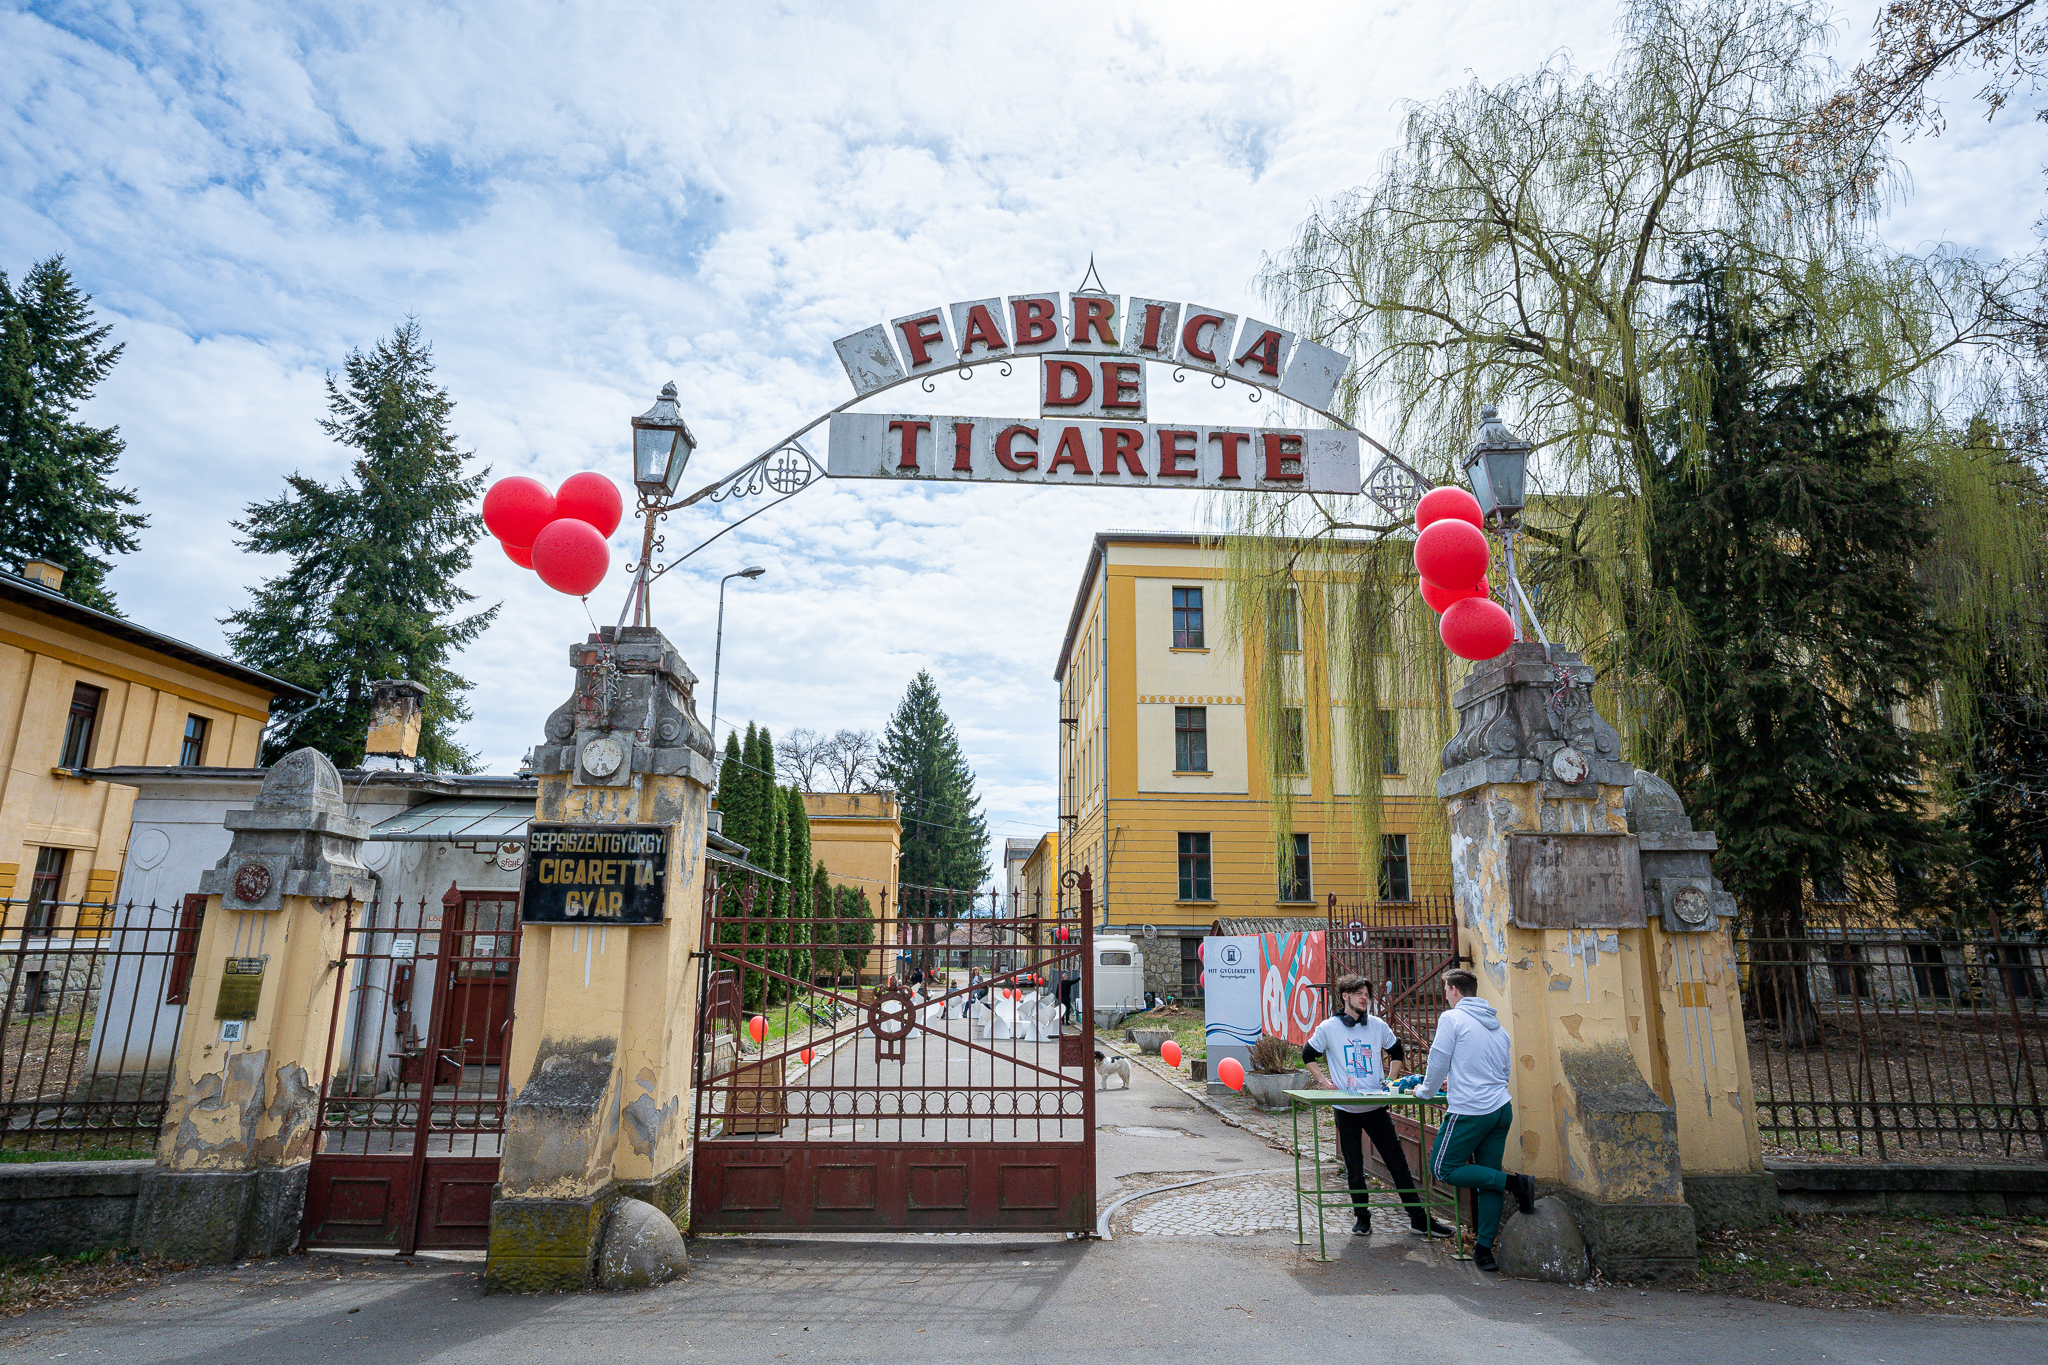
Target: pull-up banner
{"type": "Point", "coordinates": [1100, 454]}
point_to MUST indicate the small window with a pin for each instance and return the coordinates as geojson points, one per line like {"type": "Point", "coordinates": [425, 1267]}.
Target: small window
{"type": "Point", "coordinates": [1114, 960]}
{"type": "Point", "coordinates": [1394, 868]}
{"type": "Point", "coordinates": [46, 888]}
{"type": "Point", "coordinates": [1191, 739]}
{"type": "Point", "coordinates": [1930, 970]}
{"type": "Point", "coordinates": [1390, 744]}
{"type": "Point", "coordinates": [1831, 885]}
{"type": "Point", "coordinates": [1187, 618]}
{"type": "Point", "coordinates": [1293, 741]}
{"type": "Point", "coordinates": [1848, 971]}
{"type": "Point", "coordinates": [1190, 964]}
{"type": "Point", "coordinates": [78, 730]}
{"type": "Point", "coordinates": [193, 754]}
{"type": "Point", "coordinates": [1294, 883]}
{"type": "Point", "coordinates": [1194, 867]}
{"type": "Point", "coordinates": [1287, 621]}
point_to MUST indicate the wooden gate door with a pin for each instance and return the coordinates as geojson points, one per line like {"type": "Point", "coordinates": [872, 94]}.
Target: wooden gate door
{"type": "Point", "coordinates": [411, 1121]}
{"type": "Point", "coordinates": [931, 1071]}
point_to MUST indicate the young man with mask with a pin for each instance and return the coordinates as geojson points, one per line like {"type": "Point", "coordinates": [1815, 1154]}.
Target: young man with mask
{"type": "Point", "coordinates": [1469, 1062]}
{"type": "Point", "coordinates": [1363, 1055]}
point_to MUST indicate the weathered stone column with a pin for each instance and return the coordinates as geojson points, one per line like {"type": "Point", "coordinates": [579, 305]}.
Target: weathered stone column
{"type": "Point", "coordinates": [1550, 896]}
{"type": "Point", "coordinates": [231, 1176]}
{"type": "Point", "coordinates": [605, 1019]}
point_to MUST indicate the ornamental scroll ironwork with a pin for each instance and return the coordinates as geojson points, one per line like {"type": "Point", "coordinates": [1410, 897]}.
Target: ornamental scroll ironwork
{"type": "Point", "coordinates": [785, 471]}
{"type": "Point", "coordinates": [1395, 487]}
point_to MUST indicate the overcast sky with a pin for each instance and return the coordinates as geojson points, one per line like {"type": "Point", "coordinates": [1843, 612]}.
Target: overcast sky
{"type": "Point", "coordinates": [582, 202]}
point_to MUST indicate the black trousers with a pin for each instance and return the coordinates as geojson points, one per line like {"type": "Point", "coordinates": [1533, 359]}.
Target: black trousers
{"type": "Point", "coordinates": [1379, 1126]}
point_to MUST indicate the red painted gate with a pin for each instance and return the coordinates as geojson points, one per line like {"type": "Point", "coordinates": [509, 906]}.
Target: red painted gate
{"type": "Point", "coordinates": [930, 1069]}
{"type": "Point", "coordinates": [412, 1109]}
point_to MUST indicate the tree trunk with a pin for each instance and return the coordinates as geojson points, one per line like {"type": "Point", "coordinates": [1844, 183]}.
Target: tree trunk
{"type": "Point", "coordinates": [1780, 957]}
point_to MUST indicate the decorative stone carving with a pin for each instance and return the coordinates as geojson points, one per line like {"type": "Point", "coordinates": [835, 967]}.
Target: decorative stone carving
{"type": "Point", "coordinates": [634, 711]}
{"type": "Point", "coordinates": [1525, 718]}
{"type": "Point", "coordinates": [1678, 873]}
{"type": "Point", "coordinates": [297, 840]}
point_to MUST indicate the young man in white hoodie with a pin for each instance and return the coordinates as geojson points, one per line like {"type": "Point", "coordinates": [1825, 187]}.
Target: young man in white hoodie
{"type": "Point", "coordinates": [1469, 1061]}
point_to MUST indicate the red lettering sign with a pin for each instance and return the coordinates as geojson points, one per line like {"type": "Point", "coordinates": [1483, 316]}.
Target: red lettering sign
{"type": "Point", "coordinates": [1120, 377]}
{"type": "Point", "coordinates": [1071, 452]}
{"type": "Point", "coordinates": [1155, 317]}
{"type": "Point", "coordinates": [1005, 457]}
{"type": "Point", "coordinates": [1056, 373]}
{"type": "Point", "coordinates": [1037, 321]}
{"type": "Point", "coordinates": [1231, 442]}
{"type": "Point", "coordinates": [963, 446]}
{"type": "Point", "coordinates": [981, 328]}
{"type": "Point", "coordinates": [1282, 449]}
{"type": "Point", "coordinates": [1122, 443]}
{"type": "Point", "coordinates": [1092, 315]}
{"type": "Point", "coordinates": [919, 340]}
{"type": "Point", "coordinates": [1191, 336]}
{"type": "Point", "coordinates": [909, 430]}
{"type": "Point", "coordinates": [1266, 350]}
{"type": "Point", "coordinates": [1175, 446]}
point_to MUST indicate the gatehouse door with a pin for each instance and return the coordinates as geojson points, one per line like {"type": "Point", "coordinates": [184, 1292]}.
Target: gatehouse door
{"type": "Point", "coordinates": [924, 1066]}
{"type": "Point", "coordinates": [412, 1107]}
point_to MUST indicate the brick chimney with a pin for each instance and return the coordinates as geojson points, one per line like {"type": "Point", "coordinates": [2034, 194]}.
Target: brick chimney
{"type": "Point", "coordinates": [44, 572]}
{"type": "Point", "coordinates": [394, 722]}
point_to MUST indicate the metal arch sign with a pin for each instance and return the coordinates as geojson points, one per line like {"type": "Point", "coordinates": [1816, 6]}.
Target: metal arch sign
{"type": "Point", "coordinates": [1092, 427]}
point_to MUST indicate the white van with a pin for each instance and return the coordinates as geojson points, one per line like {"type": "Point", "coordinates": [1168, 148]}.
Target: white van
{"type": "Point", "coordinates": [1119, 974]}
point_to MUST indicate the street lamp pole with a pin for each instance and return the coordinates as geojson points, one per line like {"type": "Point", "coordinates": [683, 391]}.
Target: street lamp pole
{"type": "Point", "coordinates": [718, 651]}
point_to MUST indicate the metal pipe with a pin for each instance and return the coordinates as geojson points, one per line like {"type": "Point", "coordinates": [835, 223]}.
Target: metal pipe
{"type": "Point", "coordinates": [718, 650]}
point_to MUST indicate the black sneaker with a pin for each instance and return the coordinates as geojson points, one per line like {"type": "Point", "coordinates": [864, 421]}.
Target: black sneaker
{"type": "Point", "coordinates": [1362, 1225]}
{"type": "Point", "coordinates": [1421, 1226]}
{"type": "Point", "coordinates": [1483, 1258]}
{"type": "Point", "coordinates": [1524, 1189]}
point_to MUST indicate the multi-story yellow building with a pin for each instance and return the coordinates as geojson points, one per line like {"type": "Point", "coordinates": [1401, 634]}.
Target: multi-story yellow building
{"type": "Point", "coordinates": [1164, 794]}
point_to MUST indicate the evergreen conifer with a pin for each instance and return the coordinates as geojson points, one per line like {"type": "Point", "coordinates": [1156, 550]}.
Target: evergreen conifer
{"type": "Point", "coordinates": [56, 498]}
{"type": "Point", "coordinates": [945, 835]}
{"type": "Point", "coordinates": [801, 907]}
{"type": "Point", "coordinates": [373, 565]}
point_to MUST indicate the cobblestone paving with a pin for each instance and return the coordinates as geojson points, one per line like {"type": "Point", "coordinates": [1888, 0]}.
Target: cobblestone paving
{"type": "Point", "coordinates": [1228, 1208]}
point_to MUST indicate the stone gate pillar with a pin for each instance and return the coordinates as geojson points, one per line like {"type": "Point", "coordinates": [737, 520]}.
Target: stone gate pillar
{"type": "Point", "coordinates": [231, 1176]}
{"type": "Point", "coordinates": [605, 1018]}
{"type": "Point", "coordinates": [1629, 1067]}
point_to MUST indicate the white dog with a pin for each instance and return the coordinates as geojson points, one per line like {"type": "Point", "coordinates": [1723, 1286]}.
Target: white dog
{"type": "Point", "coordinates": [1107, 1066]}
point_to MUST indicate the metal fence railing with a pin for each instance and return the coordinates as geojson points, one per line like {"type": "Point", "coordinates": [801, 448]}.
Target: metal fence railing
{"type": "Point", "coordinates": [1870, 1036]}
{"type": "Point", "coordinates": [92, 996]}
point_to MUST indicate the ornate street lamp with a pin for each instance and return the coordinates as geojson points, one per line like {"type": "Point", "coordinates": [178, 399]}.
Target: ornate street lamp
{"type": "Point", "coordinates": [661, 447]}
{"type": "Point", "coordinates": [1498, 468]}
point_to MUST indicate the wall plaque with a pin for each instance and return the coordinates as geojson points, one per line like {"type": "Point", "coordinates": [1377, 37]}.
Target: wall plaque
{"type": "Point", "coordinates": [1575, 881]}
{"type": "Point", "coordinates": [595, 874]}
{"type": "Point", "coordinates": [241, 987]}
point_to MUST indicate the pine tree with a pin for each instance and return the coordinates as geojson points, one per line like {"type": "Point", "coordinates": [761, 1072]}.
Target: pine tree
{"type": "Point", "coordinates": [856, 927]}
{"type": "Point", "coordinates": [729, 785]}
{"type": "Point", "coordinates": [1783, 543]}
{"type": "Point", "coordinates": [801, 906]}
{"type": "Point", "coordinates": [56, 501]}
{"type": "Point", "coordinates": [737, 793]}
{"type": "Point", "coordinates": [826, 959]}
{"type": "Point", "coordinates": [372, 584]}
{"type": "Point", "coordinates": [776, 931]}
{"type": "Point", "coordinates": [945, 835]}
{"type": "Point", "coordinates": [2000, 804]}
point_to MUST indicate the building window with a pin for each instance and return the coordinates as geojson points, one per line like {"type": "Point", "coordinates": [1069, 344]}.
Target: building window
{"type": "Point", "coordinates": [1191, 739]}
{"type": "Point", "coordinates": [1293, 741]}
{"type": "Point", "coordinates": [1190, 965]}
{"type": "Point", "coordinates": [1930, 970]}
{"type": "Point", "coordinates": [1390, 744]}
{"type": "Point", "coordinates": [1294, 884]}
{"type": "Point", "coordinates": [1194, 868]}
{"type": "Point", "coordinates": [46, 888]}
{"type": "Point", "coordinates": [85, 714]}
{"type": "Point", "coordinates": [1287, 621]}
{"type": "Point", "coordinates": [1831, 886]}
{"type": "Point", "coordinates": [193, 754]}
{"type": "Point", "coordinates": [1394, 868]}
{"type": "Point", "coordinates": [1848, 971]}
{"type": "Point", "coordinates": [1187, 618]}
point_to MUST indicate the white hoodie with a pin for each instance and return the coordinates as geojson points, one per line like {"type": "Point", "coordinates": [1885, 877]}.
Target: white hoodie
{"type": "Point", "coordinates": [1471, 1052]}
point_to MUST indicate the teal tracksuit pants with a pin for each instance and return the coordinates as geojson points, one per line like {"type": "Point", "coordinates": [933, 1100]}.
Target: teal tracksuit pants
{"type": "Point", "coordinates": [1468, 1153]}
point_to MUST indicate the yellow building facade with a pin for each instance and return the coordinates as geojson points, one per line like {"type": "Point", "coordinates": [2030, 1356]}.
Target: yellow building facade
{"type": "Point", "coordinates": [858, 836]}
{"type": "Point", "coordinates": [1164, 795]}
{"type": "Point", "coordinates": [81, 690]}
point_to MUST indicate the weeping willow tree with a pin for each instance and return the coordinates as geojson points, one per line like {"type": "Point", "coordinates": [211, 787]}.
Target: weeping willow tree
{"type": "Point", "coordinates": [1523, 246]}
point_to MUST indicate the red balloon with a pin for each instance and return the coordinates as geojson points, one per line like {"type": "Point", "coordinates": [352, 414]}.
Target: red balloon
{"type": "Point", "coordinates": [1230, 1071]}
{"type": "Point", "coordinates": [1202, 980]}
{"type": "Point", "coordinates": [570, 556]}
{"type": "Point", "coordinates": [1169, 1052]}
{"type": "Point", "coordinates": [592, 498]}
{"type": "Point", "coordinates": [1438, 503]}
{"type": "Point", "coordinates": [1440, 599]}
{"type": "Point", "coordinates": [1202, 950]}
{"type": "Point", "coordinates": [1452, 554]}
{"type": "Point", "coordinates": [516, 509]}
{"type": "Point", "coordinates": [808, 1055]}
{"type": "Point", "coordinates": [523, 557]}
{"type": "Point", "coordinates": [757, 1028]}
{"type": "Point", "coordinates": [1476, 628]}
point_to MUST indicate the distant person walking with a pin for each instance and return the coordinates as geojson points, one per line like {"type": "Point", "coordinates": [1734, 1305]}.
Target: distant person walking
{"type": "Point", "coordinates": [1469, 1062]}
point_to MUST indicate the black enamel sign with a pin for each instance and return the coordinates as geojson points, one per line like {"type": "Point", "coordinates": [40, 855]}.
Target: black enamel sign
{"type": "Point", "coordinates": [595, 874]}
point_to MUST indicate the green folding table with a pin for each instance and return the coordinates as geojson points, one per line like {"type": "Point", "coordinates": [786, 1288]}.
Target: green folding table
{"type": "Point", "coordinates": [1322, 1197]}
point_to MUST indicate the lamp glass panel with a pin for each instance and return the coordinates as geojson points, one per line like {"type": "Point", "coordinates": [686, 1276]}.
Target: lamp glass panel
{"type": "Point", "coordinates": [1476, 474]}
{"type": "Point", "coordinates": [1505, 472]}
{"type": "Point", "coordinates": [652, 455]}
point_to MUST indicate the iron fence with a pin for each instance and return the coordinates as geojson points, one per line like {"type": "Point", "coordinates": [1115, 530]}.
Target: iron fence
{"type": "Point", "coordinates": [1870, 1036]}
{"type": "Point", "coordinates": [1402, 948]}
{"type": "Point", "coordinates": [92, 997]}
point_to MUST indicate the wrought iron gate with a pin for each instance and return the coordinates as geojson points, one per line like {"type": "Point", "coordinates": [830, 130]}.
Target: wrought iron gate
{"type": "Point", "coordinates": [1402, 948]}
{"type": "Point", "coordinates": [412, 1105]}
{"type": "Point", "coordinates": [929, 1069]}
